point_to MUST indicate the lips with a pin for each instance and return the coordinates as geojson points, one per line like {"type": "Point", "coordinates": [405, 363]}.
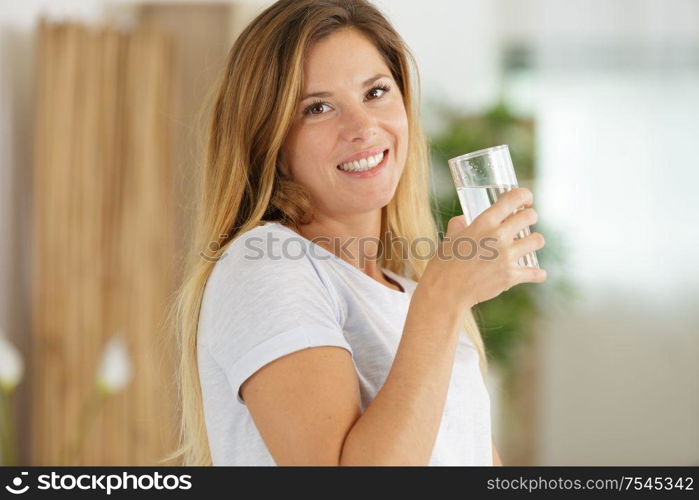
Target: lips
{"type": "Point", "coordinates": [364, 154]}
{"type": "Point", "coordinates": [372, 172]}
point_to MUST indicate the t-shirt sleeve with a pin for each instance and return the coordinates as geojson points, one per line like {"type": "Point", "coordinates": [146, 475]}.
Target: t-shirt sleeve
{"type": "Point", "coordinates": [262, 304]}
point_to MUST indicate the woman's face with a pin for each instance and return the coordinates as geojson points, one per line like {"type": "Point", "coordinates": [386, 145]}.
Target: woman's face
{"type": "Point", "coordinates": [360, 114]}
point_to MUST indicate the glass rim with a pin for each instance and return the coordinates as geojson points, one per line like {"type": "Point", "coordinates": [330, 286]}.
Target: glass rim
{"type": "Point", "coordinates": [480, 152]}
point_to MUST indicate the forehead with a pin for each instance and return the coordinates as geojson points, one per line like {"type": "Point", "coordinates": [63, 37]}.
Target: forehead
{"type": "Point", "coordinates": [345, 55]}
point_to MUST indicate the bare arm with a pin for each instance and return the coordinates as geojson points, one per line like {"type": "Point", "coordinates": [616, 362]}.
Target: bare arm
{"type": "Point", "coordinates": [496, 457]}
{"type": "Point", "coordinates": [401, 424]}
{"type": "Point", "coordinates": [306, 405]}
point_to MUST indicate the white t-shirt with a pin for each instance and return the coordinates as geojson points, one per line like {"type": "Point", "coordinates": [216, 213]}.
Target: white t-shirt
{"type": "Point", "coordinates": [273, 292]}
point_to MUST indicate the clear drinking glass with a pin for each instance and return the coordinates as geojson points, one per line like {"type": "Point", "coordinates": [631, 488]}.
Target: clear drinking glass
{"type": "Point", "coordinates": [481, 178]}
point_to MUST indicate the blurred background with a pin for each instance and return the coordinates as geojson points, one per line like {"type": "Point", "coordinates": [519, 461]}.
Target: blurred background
{"type": "Point", "coordinates": [100, 124]}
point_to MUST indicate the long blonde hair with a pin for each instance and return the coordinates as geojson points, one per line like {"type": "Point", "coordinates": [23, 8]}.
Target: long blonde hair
{"type": "Point", "coordinates": [240, 184]}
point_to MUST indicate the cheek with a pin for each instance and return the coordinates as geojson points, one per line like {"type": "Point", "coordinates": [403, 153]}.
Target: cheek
{"type": "Point", "coordinates": [311, 152]}
{"type": "Point", "coordinates": [399, 127]}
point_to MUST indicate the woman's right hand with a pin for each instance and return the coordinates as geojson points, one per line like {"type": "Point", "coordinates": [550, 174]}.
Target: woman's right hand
{"type": "Point", "coordinates": [479, 261]}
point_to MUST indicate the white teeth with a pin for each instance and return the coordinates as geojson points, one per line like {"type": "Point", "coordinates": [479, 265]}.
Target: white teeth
{"type": "Point", "coordinates": [363, 164]}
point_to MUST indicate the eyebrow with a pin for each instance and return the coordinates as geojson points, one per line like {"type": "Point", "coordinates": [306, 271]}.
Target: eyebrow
{"type": "Point", "coordinates": [366, 83]}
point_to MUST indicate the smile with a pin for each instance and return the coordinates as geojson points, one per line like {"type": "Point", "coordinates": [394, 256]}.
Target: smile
{"type": "Point", "coordinates": [366, 167]}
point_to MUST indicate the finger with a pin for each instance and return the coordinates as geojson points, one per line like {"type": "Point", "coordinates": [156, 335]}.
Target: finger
{"type": "Point", "coordinates": [524, 274]}
{"type": "Point", "coordinates": [518, 222]}
{"type": "Point", "coordinates": [528, 244]}
{"type": "Point", "coordinates": [505, 206]}
{"type": "Point", "coordinates": [456, 224]}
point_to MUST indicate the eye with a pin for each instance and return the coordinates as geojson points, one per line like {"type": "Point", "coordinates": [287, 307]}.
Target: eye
{"type": "Point", "coordinates": [314, 106]}
{"type": "Point", "coordinates": [382, 88]}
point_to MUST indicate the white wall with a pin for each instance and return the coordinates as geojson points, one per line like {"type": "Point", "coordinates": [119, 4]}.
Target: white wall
{"type": "Point", "coordinates": [616, 102]}
{"type": "Point", "coordinates": [618, 176]}
{"type": "Point", "coordinates": [621, 386]}
{"type": "Point", "coordinates": [550, 22]}
{"type": "Point", "coordinates": [457, 47]}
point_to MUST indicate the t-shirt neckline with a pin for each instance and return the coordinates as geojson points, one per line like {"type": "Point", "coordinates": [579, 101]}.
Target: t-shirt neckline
{"type": "Point", "coordinates": [391, 275]}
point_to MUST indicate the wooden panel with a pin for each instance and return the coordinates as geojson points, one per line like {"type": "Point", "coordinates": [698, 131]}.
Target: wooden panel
{"type": "Point", "coordinates": [103, 241]}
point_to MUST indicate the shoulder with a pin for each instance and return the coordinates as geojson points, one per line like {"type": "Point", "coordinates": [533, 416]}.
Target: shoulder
{"type": "Point", "coordinates": [265, 237]}
{"type": "Point", "coordinates": [265, 250]}
{"type": "Point", "coordinates": [266, 271]}
{"type": "Point", "coordinates": [262, 288]}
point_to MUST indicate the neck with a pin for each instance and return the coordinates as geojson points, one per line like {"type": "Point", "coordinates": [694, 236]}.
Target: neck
{"type": "Point", "coordinates": [353, 238]}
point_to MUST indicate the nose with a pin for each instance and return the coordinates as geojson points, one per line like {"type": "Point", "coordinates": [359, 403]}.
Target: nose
{"type": "Point", "coordinates": [358, 124]}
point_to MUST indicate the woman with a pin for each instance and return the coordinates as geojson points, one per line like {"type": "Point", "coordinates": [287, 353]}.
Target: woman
{"type": "Point", "coordinates": [300, 346]}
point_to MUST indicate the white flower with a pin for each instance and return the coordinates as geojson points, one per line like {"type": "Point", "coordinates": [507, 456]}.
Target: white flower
{"type": "Point", "coordinates": [11, 365]}
{"type": "Point", "coordinates": [115, 366]}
